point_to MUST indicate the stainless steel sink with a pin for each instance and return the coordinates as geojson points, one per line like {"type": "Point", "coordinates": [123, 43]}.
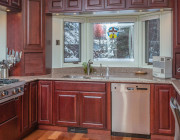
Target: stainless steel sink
{"type": "Point", "coordinates": [83, 77]}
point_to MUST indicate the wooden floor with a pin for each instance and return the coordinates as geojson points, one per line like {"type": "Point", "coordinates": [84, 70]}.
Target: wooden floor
{"type": "Point", "coordinates": [57, 135]}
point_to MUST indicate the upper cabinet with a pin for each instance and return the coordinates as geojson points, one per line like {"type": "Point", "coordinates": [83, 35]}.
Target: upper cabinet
{"type": "Point", "coordinates": [94, 5]}
{"type": "Point", "coordinates": [13, 5]}
{"type": "Point", "coordinates": [103, 5]}
{"type": "Point", "coordinates": [158, 3]}
{"type": "Point", "coordinates": [73, 5]}
{"type": "Point", "coordinates": [5, 2]}
{"type": "Point", "coordinates": [115, 4]}
{"type": "Point", "coordinates": [55, 5]}
{"type": "Point", "coordinates": [137, 3]}
{"type": "Point", "coordinates": [64, 5]}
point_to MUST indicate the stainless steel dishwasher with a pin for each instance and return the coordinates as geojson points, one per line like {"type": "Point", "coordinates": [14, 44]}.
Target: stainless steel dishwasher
{"type": "Point", "coordinates": [130, 109]}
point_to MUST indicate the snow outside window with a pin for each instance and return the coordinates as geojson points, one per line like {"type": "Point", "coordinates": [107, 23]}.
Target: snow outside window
{"type": "Point", "coordinates": [113, 41]}
{"type": "Point", "coordinates": [72, 42]}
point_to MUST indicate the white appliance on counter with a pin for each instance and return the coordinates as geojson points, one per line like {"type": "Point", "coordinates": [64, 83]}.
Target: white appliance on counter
{"type": "Point", "coordinates": [162, 67]}
{"type": "Point", "coordinates": [131, 110]}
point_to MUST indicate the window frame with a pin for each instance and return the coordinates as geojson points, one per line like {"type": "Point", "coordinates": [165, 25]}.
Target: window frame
{"type": "Point", "coordinates": [111, 63]}
{"type": "Point", "coordinates": [80, 43]}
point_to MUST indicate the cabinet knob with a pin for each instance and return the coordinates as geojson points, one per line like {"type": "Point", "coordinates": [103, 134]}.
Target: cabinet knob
{"type": "Point", "coordinates": [178, 70]}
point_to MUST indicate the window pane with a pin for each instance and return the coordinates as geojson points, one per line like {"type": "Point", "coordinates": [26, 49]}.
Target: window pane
{"type": "Point", "coordinates": [113, 41]}
{"type": "Point", "coordinates": [152, 33]}
{"type": "Point", "coordinates": [72, 42]}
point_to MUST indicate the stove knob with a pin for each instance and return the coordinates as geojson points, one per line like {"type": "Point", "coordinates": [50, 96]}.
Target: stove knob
{"type": "Point", "coordinates": [3, 94]}
{"type": "Point", "coordinates": [14, 92]}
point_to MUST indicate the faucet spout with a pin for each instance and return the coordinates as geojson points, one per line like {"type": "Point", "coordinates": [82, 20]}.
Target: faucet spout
{"type": "Point", "coordinates": [89, 66]}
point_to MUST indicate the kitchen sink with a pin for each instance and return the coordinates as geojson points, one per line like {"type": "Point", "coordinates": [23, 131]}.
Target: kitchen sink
{"type": "Point", "coordinates": [83, 77]}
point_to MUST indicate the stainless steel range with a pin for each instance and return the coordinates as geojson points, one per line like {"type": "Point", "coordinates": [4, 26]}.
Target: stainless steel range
{"type": "Point", "coordinates": [10, 89]}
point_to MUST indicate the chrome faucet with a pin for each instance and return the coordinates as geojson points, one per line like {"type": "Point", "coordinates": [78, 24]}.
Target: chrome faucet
{"type": "Point", "coordinates": [89, 66]}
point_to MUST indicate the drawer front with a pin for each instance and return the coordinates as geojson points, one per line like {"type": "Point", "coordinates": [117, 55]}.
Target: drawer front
{"type": "Point", "coordinates": [80, 86]}
{"type": "Point", "coordinates": [7, 110]}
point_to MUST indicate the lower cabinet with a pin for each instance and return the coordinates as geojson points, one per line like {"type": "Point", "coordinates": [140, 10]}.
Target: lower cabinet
{"type": "Point", "coordinates": [45, 102]}
{"type": "Point", "coordinates": [29, 108]}
{"type": "Point", "coordinates": [80, 108]}
{"type": "Point", "coordinates": [66, 108]}
{"type": "Point", "coordinates": [162, 120]}
{"type": "Point", "coordinates": [92, 110]}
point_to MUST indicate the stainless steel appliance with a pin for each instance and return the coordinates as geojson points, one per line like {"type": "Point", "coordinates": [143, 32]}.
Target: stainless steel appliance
{"type": "Point", "coordinates": [10, 89]}
{"type": "Point", "coordinates": [130, 109]}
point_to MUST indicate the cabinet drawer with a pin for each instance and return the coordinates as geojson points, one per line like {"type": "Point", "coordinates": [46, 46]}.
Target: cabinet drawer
{"type": "Point", "coordinates": [80, 86]}
{"type": "Point", "coordinates": [7, 110]}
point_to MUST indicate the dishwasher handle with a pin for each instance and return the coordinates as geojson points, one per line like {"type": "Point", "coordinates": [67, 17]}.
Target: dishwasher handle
{"type": "Point", "coordinates": [142, 88]}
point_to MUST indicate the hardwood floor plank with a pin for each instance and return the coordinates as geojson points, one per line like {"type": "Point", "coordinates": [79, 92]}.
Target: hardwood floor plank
{"type": "Point", "coordinates": [55, 136]}
{"type": "Point", "coordinates": [58, 135]}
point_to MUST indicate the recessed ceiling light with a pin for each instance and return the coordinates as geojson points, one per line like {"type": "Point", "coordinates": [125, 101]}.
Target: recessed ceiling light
{"type": "Point", "coordinates": [8, 10]}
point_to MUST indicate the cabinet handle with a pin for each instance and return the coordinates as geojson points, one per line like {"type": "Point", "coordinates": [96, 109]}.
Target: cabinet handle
{"type": "Point", "coordinates": [178, 70]}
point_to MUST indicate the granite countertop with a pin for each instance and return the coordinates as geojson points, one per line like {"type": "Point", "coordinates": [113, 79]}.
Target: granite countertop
{"type": "Point", "coordinates": [122, 77]}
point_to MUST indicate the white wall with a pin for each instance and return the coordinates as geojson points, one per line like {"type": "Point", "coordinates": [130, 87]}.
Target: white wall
{"type": "Point", "coordinates": [3, 35]}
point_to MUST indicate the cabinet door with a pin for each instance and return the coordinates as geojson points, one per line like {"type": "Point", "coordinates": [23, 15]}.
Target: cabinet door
{"type": "Point", "coordinates": [33, 103]}
{"type": "Point", "coordinates": [73, 5]}
{"type": "Point", "coordinates": [16, 3]}
{"type": "Point", "coordinates": [45, 102]}
{"type": "Point", "coordinates": [92, 110]}
{"type": "Point", "coordinates": [162, 120]}
{"type": "Point", "coordinates": [66, 111]}
{"type": "Point", "coordinates": [94, 5]}
{"type": "Point", "coordinates": [25, 109]}
{"type": "Point", "coordinates": [55, 5]}
{"type": "Point", "coordinates": [115, 4]}
{"type": "Point", "coordinates": [34, 23]}
{"type": "Point", "coordinates": [158, 3]}
{"type": "Point", "coordinates": [137, 3]}
{"type": "Point", "coordinates": [4, 2]}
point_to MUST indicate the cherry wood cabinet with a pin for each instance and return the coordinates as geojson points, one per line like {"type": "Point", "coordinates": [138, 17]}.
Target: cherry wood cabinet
{"type": "Point", "coordinates": [73, 5]}
{"type": "Point", "coordinates": [158, 3]}
{"type": "Point", "coordinates": [55, 5]}
{"type": "Point", "coordinates": [162, 120]}
{"type": "Point", "coordinates": [92, 109]}
{"type": "Point", "coordinates": [137, 3]}
{"type": "Point", "coordinates": [176, 39]}
{"type": "Point", "coordinates": [16, 3]}
{"type": "Point", "coordinates": [26, 33]}
{"type": "Point", "coordinates": [12, 5]}
{"type": "Point", "coordinates": [80, 104]}
{"type": "Point", "coordinates": [33, 104]}
{"type": "Point", "coordinates": [5, 2]}
{"type": "Point", "coordinates": [94, 5]}
{"type": "Point", "coordinates": [66, 108]}
{"type": "Point", "coordinates": [115, 4]}
{"type": "Point", "coordinates": [25, 110]}
{"type": "Point", "coordinates": [45, 102]}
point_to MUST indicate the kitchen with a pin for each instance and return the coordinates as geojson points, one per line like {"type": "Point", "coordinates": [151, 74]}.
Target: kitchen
{"type": "Point", "coordinates": [84, 69]}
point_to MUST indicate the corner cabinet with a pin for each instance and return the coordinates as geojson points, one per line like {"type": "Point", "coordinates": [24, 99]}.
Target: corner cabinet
{"type": "Point", "coordinates": [162, 120]}
{"type": "Point", "coordinates": [80, 104]}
